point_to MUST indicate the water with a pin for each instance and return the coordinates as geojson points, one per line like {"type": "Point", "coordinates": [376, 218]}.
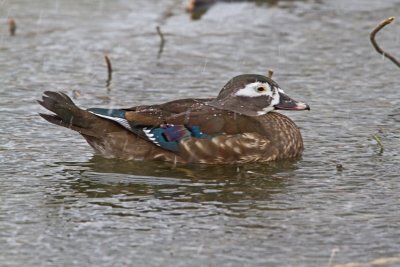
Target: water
{"type": "Point", "coordinates": [60, 205]}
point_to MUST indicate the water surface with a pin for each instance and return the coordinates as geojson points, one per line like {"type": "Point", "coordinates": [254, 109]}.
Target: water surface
{"type": "Point", "coordinates": [61, 205]}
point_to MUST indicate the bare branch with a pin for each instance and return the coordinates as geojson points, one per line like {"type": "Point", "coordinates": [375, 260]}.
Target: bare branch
{"type": "Point", "coordinates": [162, 43]}
{"type": "Point", "coordinates": [76, 93]}
{"type": "Point", "coordinates": [270, 73]}
{"type": "Point", "coordinates": [109, 70]}
{"type": "Point", "coordinates": [12, 26]}
{"type": "Point", "coordinates": [379, 142]}
{"type": "Point", "coordinates": [375, 44]}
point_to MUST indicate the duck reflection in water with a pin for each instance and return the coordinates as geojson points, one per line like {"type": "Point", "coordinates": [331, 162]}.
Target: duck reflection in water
{"type": "Point", "coordinates": [138, 181]}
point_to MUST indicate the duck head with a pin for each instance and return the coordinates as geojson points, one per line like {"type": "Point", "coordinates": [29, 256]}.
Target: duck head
{"type": "Point", "coordinates": [255, 95]}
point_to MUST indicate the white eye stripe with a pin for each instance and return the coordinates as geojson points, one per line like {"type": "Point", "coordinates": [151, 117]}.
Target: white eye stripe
{"type": "Point", "coordinates": [250, 90]}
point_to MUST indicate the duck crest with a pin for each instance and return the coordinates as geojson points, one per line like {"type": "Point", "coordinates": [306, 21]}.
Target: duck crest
{"type": "Point", "coordinates": [235, 127]}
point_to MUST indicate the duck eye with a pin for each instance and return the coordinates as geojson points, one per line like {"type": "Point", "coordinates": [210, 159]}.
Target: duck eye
{"type": "Point", "coordinates": [261, 89]}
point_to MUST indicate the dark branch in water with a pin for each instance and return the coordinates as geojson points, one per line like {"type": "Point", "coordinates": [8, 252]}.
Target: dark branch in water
{"type": "Point", "coordinates": [109, 70]}
{"type": "Point", "coordinates": [162, 43]}
{"type": "Point", "coordinates": [12, 26]}
{"type": "Point", "coordinates": [270, 73]}
{"type": "Point", "coordinates": [375, 44]}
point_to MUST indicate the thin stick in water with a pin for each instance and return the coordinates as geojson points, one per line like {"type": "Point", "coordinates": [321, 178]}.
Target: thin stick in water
{"type": "Point", "coordinates": [12, 26]}
{"type": "Point", "coordinates": [162, 43]}
{"type": "Point", "coordinates": [270, 73]}
{"type": "Point", "coordinates": [379, 142]}
{"type": "Point", "coordinates": [382, 24]}
{"type": "Point", "coordinates": [109, 70]}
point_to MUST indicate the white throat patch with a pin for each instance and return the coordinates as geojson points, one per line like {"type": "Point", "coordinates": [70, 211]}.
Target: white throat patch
{"type": "Point", "coordinates": [275, 101]}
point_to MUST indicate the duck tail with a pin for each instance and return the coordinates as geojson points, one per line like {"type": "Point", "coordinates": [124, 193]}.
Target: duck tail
{"type": "Point", "coordinates": [68, 115]}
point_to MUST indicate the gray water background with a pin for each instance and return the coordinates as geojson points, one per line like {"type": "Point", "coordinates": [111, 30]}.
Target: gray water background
{"type": "Point", "coordinates": [60, 205]}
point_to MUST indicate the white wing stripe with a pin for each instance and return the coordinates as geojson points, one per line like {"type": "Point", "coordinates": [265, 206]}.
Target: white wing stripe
{"type": "Point", "coordinates": [150, 136]}
{"type": "Point", "coordinates": [120, 121]}
{"type": "Point", "coordinates": [126, 125]}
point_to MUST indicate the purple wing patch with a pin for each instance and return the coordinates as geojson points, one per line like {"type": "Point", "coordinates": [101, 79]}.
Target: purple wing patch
{"type": "Point", "coordinates": [168, 136]}
{"type": "Point", "coordinates": [175, 132]}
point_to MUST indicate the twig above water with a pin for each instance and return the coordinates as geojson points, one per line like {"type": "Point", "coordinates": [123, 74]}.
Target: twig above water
{"type": "Point", "coordinates": [12, 26]}
{"type": "Point", "coordinates": [109, 70]}
{"type": "Point", "coordinates": [382, 24]}
{"type": "Point", "coordinates": [162, 42]}
{"type": "Point", "coordinates": [76, 93]}
{"type": "Point", "coordinates": [270, 73]}
{"type": "Point", "coordinates": [379, 142]}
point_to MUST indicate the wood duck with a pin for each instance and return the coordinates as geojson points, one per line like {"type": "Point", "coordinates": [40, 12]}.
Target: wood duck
{"type": "Point", "coordinates": [238, 126]}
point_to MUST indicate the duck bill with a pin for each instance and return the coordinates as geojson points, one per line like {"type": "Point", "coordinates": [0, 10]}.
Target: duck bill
{"type": "Point", "coordinates": [286, 103]}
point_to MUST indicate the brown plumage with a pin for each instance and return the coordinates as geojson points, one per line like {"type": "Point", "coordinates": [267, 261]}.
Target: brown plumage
{"type": "Point", "coordinates": [236, 127]}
